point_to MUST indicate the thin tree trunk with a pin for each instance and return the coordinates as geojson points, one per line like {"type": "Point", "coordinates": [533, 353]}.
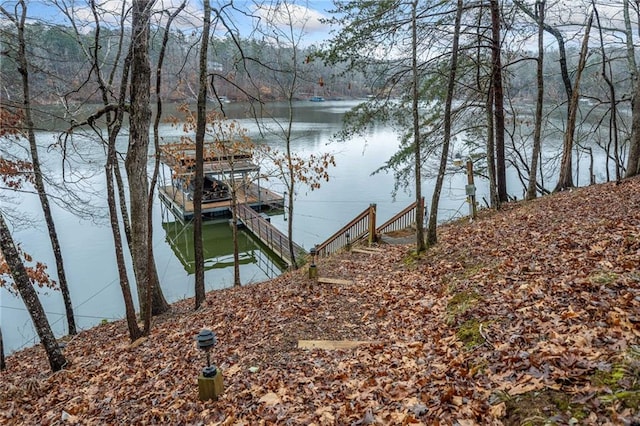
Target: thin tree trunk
{"type": "Point", "coordinates": [23, 69]}
{"type": "Point", "coordinates": [633, 162]}
{"type": "Point", "coordinates": [498, 100]}
{"type": "Point", "coordinates": [156, 146]}
{"type": "Point", "coordinates": [565, 179]}
{"type": "Point", "coordinates": [432, 237]}
{"type": "Point", "coordinates": [28, 294]}
{"type": "Point", "coordinates": [562, 52]}
{"type": "Point", "coordinates": [3, 364]}
{"type": "Point", "coordinates": [201, 124]}
{"type": "Point", "coordinates": [417, 142]}
{"type": "Point", "coordinates": [292, 175]}
{"type": "Point", "coordinates": [537, 133]}
{"type": "Point", "coordinates": [633, 167]}
{"type": "Point", "coordinates": [130, 311]}
{"type": "Point", "coordinates": [613, 109]}
{"type": "Point", "coordinates": [234, 231]}
{"type": "Point", "coordinates": [112, 167]}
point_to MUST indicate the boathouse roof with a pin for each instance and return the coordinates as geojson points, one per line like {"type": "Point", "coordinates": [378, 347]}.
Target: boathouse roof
{"type": "Point", "coordinates": [181, 158]}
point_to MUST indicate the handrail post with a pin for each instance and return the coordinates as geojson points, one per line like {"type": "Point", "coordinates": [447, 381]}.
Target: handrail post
{"type": "Point", "coordinates": [372, 223]}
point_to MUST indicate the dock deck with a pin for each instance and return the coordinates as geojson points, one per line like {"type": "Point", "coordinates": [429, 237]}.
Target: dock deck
{"type": "Point", "coordinates": [182, 206]}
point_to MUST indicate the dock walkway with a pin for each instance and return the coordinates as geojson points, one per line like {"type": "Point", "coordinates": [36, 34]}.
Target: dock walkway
{"type": "Point", "coordinates": [268, 234]}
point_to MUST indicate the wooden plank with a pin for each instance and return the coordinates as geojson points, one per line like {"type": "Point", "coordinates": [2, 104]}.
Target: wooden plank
{"type": "Point", "coordinates": [334, 281]}
{"type": "Point", "coordinates": [333, 344]}
{"type": "Point", "coordinates": [364, 251]}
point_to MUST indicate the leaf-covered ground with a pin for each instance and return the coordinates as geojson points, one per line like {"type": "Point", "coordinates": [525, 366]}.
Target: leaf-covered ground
{"type": "Point", "coordinates": [526, 316]}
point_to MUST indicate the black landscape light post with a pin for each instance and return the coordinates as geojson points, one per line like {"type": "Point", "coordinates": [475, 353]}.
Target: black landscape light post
{"type": "Point", "coordinates": [313, 270]}
{"type": "Point", "coordinates": [210, 384]}
{"type": "Point", "coordinates": [348, 241]}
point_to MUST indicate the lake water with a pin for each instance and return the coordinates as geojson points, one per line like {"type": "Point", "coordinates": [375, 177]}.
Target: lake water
{"type": "Point", "coordinates": [87, 246]}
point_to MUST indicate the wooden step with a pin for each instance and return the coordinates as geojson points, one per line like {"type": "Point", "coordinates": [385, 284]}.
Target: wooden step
{"type": "Point", "coordinates": [334, 344]}
{"type": "Point", "coordinates": [334, 281]}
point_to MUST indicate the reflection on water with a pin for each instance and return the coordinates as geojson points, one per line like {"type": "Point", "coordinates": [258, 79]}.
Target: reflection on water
{"type": "Point", "coordinates": [217, 245]}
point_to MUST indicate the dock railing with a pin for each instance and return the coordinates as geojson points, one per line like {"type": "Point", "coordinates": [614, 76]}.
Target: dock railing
{"type": "Point", "coordinates": [268, 234]}
{"type": "Point", "coordinates": [364, 226]}
{"type": "Point", "coordinates": [361, 226]}
{"type": "Point", "coordinates": [402, 220]}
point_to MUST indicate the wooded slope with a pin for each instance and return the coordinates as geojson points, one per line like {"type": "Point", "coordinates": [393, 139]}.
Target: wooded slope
{"type": "Point", "coordinates": [532, 313]}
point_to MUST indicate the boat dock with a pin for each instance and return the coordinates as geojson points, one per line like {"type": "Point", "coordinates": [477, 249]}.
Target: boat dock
{"type": "Point", "coordinates": [224, 168]}
{"type": "Point", "coordinates": [181, 204]}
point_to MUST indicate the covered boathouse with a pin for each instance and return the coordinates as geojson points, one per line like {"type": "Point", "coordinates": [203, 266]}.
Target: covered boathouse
{"type": "Point", "coordinates": [221, 170]}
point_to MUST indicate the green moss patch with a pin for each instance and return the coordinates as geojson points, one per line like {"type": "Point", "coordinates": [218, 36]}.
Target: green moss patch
{"type": "Point", "coordinates": [469, 333]}
{"type": "Point", "coordinates": [460, 303]}
{"type": "Point", "coordinates": [603, 278]}
{"type": "Point", "coordinates": [546, 407]}
{"type": "Point", "coordinates": [621, 382]}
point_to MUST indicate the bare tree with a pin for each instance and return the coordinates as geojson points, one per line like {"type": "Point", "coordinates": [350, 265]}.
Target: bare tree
{"type": "Point", "coordinates": [201, 124]}
{"type": "Point", "coordinates": [417, 149]}
{"type": "Point", "coordinates": [633, 162]}
{"type": "Point", "coordinates": [19, 20]}
{"type": "Point", "coordinates": [28, 294]}
{"type": "Point", "coordinates": [537, 135]}
{"type": "Point", "coordinates": [136, 161]}
{"type": "Point", "coordinates": [498, 102]}
{"type": "Point", "coordinates": [432, 237]}
{"type": "Point", "coordinates": [284, 27]}
{"type": "Point", "coordinates": [565, 180]}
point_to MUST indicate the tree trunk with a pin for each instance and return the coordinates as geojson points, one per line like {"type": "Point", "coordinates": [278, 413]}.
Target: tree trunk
{"type": "Point", "coordinates": [432, 237]}
{"type": "Point", "coordinates": [532, 190]}
{"type": "Point", "coordinates": [292, 175]}
{"type": "Point", "coordinates": [28, 294]}
{"type": "Point", "coordinates": [234, 232]}
{"type": "Point", "coordinates": [156, 146]}
{"type": "Point", "coordinates": [613, 108]}
{"type": "Point", "coordinates": [23, 69]}
{"type": "Point", "coordinates": [417, 142]}
{"type": "Point", "coordinates": [136, 161]}
{"type": "Point", "coordinates": [633, 162]}
{"type": "Point", "coordinates": [201, 124]}
{"type": "Point", "coordinates": [633, 167]}
{"type": "Point", "coordinates": [130, 311]}
{"type": "Point", "coordinates": [565, 179]}
{"type": "Point", "coordinates": [3, 364]}
{"type": "Point", "coordinates": [498, 99]}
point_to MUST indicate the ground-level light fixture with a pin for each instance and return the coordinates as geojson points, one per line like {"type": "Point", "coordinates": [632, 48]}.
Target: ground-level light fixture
{"type": "Point", "coordinates": [313, 270]}
{"type": "Point", "coordinates": [210, 384]}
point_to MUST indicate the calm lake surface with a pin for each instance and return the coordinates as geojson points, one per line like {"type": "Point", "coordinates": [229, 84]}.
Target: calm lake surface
{"type": "Point", "coordinates": [87, 246]}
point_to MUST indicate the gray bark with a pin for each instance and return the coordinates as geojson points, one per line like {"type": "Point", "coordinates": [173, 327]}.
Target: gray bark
{"type": "Point", "coordinates": [29, 296]}
{"type": "Point", "coordinates": [633, 162]}
{"type": "Point", "coordinates": [432, 237]}
{"type": "Point", "coordinates": [201, 123]}
{"type": "Point", "coordinates": [537, 132]}
{"type": "Point", "coordinates": [565, 180]}
{"type": "Point", "coordinates": [498, 101]}
{"type": "Point", "coordinates": [136, 162]}
{"type": "Point", "coordinates": [23, 69]}
{"type": "Point", "coordinates": [417, 142]}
